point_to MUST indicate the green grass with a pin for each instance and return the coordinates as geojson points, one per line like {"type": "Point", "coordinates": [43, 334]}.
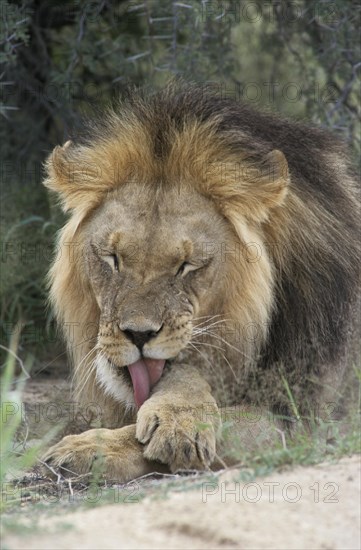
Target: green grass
{"type": "Point", "coordinates": [17, 457]}
{"type": "Point", "coordinates": [12, 459]}
{"type": "Point", "coordinates": [312, 440]}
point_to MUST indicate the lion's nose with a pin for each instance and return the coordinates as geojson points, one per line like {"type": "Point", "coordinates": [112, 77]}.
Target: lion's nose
{"type": "Point", "coordinates": [139, 338]}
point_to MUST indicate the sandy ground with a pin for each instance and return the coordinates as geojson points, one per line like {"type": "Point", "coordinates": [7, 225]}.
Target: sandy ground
{"type": "Point", "coordinates": [314, 507]}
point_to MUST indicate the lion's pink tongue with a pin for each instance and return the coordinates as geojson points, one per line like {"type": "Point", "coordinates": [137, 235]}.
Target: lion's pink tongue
{"type": "Point", "coordinates": [145, 373]}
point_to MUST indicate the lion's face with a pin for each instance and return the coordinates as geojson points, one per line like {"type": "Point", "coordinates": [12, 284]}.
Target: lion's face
{"type": "Point", "coordinates": [173, 208]}
{"type": "Point", "coordinates": [156, 270]}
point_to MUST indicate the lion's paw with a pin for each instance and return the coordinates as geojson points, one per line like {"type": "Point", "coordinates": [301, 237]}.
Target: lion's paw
{"type": "Point", "coordinates": [67, 456]}
{"type": "Point", "coordinates": [175, 436]}
{"type": "Point", "coordinates": [115, 454]}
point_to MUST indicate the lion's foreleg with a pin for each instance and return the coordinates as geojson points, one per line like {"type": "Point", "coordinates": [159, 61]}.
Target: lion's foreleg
{"type": "Point", "coordinates": [115, 454]}
{"type": "Point", "coordinates": [179, 422]}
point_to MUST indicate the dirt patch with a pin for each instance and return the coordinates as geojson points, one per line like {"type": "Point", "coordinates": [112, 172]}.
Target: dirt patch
{"type": "Point", "coordinates": [301, 508]}
{"type": "Point", "coordinates": [314, 507]}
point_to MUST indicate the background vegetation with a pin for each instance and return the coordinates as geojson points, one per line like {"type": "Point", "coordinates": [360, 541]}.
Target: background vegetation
{"type": "Point", "coordinates": [60, 59]}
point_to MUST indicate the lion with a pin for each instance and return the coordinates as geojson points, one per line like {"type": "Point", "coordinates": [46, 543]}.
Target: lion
{"type": "Point", "coordinates": [210, 261]}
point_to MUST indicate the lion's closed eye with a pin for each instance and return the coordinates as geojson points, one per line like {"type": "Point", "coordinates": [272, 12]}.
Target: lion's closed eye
{"type": "Point", "coordinates": [112, 260]}
{"type": "Point", "coordinates": [186, 268]}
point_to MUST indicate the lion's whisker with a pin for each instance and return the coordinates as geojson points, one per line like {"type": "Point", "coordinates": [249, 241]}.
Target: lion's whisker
{"type": "Point", "coordinates": [219, 321]}
{"type": "Point", "coordinates": [86, 356]}
{"type": "Point", "coordinates": [64, 353]}
{"type": "Point", "coordinates": [87, 375]}
{"type": "Point", "coordinates": [242, 352]}
{"type": "Point", "coordinates": [200, 353]}
{"type": "Point", "coordinates": [207, 318]}
{"type": "Point", "coordinates": [214, 323]}
{"type": "Point", "coordinates": [223, 355]}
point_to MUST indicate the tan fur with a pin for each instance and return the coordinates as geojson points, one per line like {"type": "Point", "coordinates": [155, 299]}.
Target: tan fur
{"type": "Point", "coordinates": [125, 199]}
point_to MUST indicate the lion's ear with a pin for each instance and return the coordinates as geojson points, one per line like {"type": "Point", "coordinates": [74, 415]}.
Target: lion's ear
{"type": "Point", "coordinates": [72, 176]}
{"type": "Point", "coordinates": [57, 168]}
{"type": "Point", "coordinates": [258, 188]}
{"type": "Point", "coordinates": [269, 184]}
{"type": "Point", "coordinates": [276, 169]}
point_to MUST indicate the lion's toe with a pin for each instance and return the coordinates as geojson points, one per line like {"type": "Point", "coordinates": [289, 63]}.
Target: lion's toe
{"type": "Point", "coordinates": [70, 457]}
{"type": "Point", "coordinates": [176, 439]}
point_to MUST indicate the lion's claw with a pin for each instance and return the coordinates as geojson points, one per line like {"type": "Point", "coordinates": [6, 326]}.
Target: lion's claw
{"type": "Point", "coordinates": [175, 437]}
